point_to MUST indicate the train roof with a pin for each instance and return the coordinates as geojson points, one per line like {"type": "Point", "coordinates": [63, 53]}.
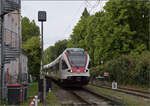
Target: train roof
{"type": "Point", "coordinates": [74, 49]}
{"type": "Point", "coordinates": [57, 59]}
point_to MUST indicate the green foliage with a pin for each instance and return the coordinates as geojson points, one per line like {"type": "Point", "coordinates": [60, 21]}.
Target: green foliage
{"type": "Point", "coordinates": [52, 52]}
{"type": "Point", "coordinates": [31, 45]}
{"type": "Point", "coordinates": [85, 13]}
{"type": "Point", "coordinates": [29, 29]}
{"type": "Point", "coordinates": [132, 70]}
{"type": "Point", "coordinates": [32, 91]}
{"type": "Point", "coordinates": [33, 50]}
{"type": "Point", "coordinates": [121, 29]}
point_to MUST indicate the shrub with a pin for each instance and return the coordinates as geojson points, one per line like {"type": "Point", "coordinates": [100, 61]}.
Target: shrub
{"type": "Point", "coordinates": [131, 69]}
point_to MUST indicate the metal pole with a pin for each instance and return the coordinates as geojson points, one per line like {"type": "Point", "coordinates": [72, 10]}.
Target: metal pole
{"type": "Point", "coordinates": [149, 45]}
{"type": "Point", "coordinates": [2, 55]}
{"type": "Point", "coordinates": [44, 80]}
{"type": "Point", "coordinates": [42, 44]}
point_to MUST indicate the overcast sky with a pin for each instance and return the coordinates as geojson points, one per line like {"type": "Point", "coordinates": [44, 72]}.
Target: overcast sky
{"type": "Point", "coordinates": [62, 16]}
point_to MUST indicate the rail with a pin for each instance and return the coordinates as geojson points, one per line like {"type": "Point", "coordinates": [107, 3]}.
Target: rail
{"type": "Point", "coordinates": [112, 100]}
{"type": "Point", "coordinates": [127, 91]}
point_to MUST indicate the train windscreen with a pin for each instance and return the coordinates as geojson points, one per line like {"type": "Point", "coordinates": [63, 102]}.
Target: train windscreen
{"type": "Point", "coordinates": [77, 58]}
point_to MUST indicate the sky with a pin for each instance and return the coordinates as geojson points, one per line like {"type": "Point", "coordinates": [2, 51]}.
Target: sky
{"type": "Point", "coordinates": [62, 16]}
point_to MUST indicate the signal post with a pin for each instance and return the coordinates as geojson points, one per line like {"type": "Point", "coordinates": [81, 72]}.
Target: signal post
{"type": "Point", "coordinates": [42, 18]}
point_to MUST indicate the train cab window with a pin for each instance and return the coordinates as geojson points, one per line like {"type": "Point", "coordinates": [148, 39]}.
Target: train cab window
{"type": "Point", "coordinates": [64, 65]}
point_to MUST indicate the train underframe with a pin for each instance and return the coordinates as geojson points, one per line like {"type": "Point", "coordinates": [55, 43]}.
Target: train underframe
{"type": "Point", "coordinates": [76, 81]}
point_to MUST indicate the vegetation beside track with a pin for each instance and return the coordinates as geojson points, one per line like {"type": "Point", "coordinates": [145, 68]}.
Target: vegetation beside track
{"type": "Point", "coordinates": [125, 98]}
{"type": "Point", "coordinates": [51, 99]}
{"type": "Point", "coordinates": [126, 70]}
{"type": "Point", "coordinates": [32, 91]}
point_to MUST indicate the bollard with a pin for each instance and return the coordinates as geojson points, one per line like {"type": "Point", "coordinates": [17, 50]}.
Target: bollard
{"type": "Point", "coordinates": [49, 90]}
{"type": "Point", "coordinates": [36, 100]}
{"type": "Point", "coordinates": [32, 103]}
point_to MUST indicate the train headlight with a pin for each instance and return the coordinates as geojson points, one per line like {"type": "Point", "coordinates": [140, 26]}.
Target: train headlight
{"type": "Point", "coordinates": [86, 70]}
{"type": "Point", "coordinates": [69, 70]}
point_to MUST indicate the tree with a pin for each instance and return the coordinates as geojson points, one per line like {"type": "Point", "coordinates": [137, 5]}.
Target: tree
{"type": "Point", "coordinates": [121, 29]}
{"type": "Point", "coordinates": [31, 45]}
{"type": "Point", "coordinates": [33, 50]}
{"type": "Point", "coordinates": [85, 14]}
{"type": "Point", "coordinates": [52, 52]}
{"type": "Point", "coordinates": [29, 29]}
{"type": "Point", "coordinates": [79, 32]}
{"type": "Point", "coordinates": [126, 26]}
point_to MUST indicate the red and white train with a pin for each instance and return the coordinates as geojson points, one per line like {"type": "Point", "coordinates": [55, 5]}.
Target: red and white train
{"type": "Point", "coordinates": [70, 68]}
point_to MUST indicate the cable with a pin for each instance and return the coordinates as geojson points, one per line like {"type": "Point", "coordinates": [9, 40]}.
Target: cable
{"type": "Point", "coordinates": [74, 16]}
{"type": "Point", "coordinates": [93, 7]}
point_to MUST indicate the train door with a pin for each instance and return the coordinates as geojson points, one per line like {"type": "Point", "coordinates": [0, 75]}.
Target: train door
{"type": "Point", "coordinates": [60, 68]}
{"type": "Point", "coordinates": [57, 68]}
{"type": "Point", "coordinates": [63, 68]}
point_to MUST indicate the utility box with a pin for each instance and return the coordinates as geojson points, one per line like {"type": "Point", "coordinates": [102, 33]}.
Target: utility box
{"type": "Point", "coordinates": [14, 93]}
{"type": "Point", "coordinates": [40, 85]}
{"type": "Point", "coordinates": [48, 84]}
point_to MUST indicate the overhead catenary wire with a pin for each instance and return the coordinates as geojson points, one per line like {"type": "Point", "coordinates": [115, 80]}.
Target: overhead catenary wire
{"type": "Point", "coordinates": [74, 17]}
{"type": "Point", "coordinates": [59, 0]}
{"type": "Point", "coordinates": [94, 7]}
{"type": "Point", "coordinates": [87, 5]}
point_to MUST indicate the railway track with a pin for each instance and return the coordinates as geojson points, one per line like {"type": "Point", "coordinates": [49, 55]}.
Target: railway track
{"type": "Point", "coordinates": [92, 98]}
{"type": "Point", "coordinates": [139, 93]}
{"type": "Point", "coordinates": [112, 100]}
{"type": "Point", "coordinates": [86, 101]}
{"type": "Point", "coordinates": [65, 97]}
{"type": "Point", "coordinates": [87, 97]}
{"type": "Point", "coordinates": [144, 92]}
{"type": "Point", "coordinates": [80, 97]}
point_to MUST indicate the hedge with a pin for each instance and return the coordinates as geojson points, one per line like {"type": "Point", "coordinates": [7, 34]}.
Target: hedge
{"type": "Point", "coordinates": [131, 70]}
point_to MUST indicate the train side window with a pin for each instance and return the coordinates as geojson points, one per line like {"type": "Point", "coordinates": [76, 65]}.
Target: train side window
{"type": "Point", "coordinates": [64, 65]}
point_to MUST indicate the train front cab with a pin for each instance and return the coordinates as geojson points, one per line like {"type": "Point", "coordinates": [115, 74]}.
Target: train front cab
{"type": "Point", "coordinates": [73, 76]}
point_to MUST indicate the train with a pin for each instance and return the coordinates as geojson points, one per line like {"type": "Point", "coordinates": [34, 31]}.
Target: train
{"type": "Point", "coordinates": [70, 68]}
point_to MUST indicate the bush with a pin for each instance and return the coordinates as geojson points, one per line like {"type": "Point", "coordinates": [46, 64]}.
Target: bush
{"type": "Point", "coordinates": [131, 70]}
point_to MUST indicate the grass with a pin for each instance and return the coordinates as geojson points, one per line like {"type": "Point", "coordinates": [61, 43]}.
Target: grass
{"type": "Point", "coordinates": [125, 98]}
{"type": "Point", "coordinates": [51, 99]}
{"type": "Point", "coordinates": [32, 91]}
{"type": "Point", "coordinates": [138, 87]}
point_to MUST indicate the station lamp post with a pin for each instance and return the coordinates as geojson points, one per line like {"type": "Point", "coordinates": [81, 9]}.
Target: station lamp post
{"type": "Point", "coordinates": [42, 18]}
